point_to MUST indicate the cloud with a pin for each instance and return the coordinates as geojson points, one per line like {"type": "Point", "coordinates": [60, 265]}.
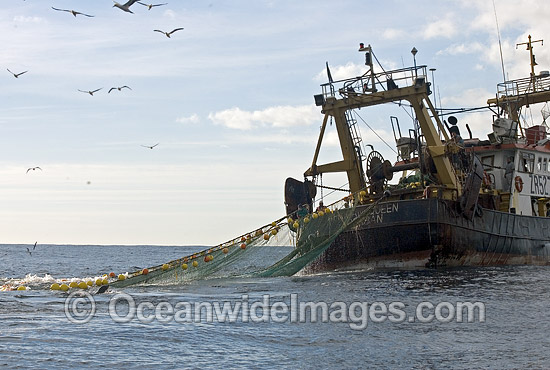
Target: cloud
{"type": "Point", "coordinates": [23, 19]}
{"type": "Point", "coordinates": [192, 119]}
{"type": "Point", "coordinates": [469, 98]}
{"type": "Point", "coordinates": [341, 72]}
{"type": "Point", "coordinates": [458, 49]}
{"type": "Point", "coordinates": [393, 34]}
{"type": "Point", "coordinates": [440, 28]}
{"type": "Point", "coordinates": [278, 117]}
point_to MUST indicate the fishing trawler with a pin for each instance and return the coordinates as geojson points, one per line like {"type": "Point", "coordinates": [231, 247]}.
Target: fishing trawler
{"type": "Point", "coordinates": [457, 201]}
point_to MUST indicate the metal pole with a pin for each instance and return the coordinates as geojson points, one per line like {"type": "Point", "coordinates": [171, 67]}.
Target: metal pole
{"type": "Point", "coordinates": [413, 52]}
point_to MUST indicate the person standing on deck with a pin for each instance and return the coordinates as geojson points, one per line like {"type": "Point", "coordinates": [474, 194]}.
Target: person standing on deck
{"type": "Point", "coordinates": [508, 172]}
{"type": "Point", "coordinates": [302, 211]}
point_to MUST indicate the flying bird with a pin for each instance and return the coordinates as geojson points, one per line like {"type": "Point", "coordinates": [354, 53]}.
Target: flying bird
{"type": "Point", "coordinates": [33, 248]}
{"type": "Point", "coordinates": [72, 12]}
{"type": "Point", "coordinates": [169, 33]}
{"type": "Point", "coordinates": [151, 5]}
{"type": "Point", "coordinates": [33, 169]}
{"type": "Point", "coordinates": [29, 251]}
{"type": "Point", "coordinates": [150, 146]}
{"type": "Point", "coordinates": [119, 88]}
{"type": "Point", "coordinates": [16, 75]}
{"type": "Point", "coordinates": [126, 6]}
{"type": "Point", "coordinates": [91, 92]}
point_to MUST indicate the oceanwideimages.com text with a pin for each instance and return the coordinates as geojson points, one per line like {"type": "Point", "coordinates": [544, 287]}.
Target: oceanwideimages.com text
{"type": "Point", "coordinates": [80, 307]}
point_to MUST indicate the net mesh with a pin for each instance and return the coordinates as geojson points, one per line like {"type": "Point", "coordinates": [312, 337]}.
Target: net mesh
{"type": "Point", "coordinates": [281, 248]}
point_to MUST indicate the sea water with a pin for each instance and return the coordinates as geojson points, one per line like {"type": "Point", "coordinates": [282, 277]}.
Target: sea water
{"type": "Point", "coordinates": [37, 332]}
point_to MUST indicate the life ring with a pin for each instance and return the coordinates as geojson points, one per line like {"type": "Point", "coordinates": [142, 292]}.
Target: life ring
{"type": "Point", "coordinates": [486, 179]}
{"type": "Point", "coordinates": [518, 182]}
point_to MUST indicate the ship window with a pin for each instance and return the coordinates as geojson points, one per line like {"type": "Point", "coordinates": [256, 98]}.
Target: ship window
{"type": "Point", "coordinates": [488, 162]}
{"type": "Point", "coordinates": [539, 164]}
{"type": "Point", "coordinates": [544, 165]}
{"type": "Point", "coordinates": [527, 163]}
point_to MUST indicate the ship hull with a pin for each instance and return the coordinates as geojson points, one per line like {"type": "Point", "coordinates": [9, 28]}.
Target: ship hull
{"type": "Point", "coordinates": [424, 233]}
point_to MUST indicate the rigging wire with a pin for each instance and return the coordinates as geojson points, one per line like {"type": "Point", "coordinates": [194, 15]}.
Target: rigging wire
{"type": "Point", "coordinates": [499, 43]}
{"type": "Point", "coordinates": [380, 137]}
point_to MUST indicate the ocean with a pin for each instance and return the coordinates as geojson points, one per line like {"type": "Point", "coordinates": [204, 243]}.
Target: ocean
{"type": "Point", "coordinates": [460, 318]}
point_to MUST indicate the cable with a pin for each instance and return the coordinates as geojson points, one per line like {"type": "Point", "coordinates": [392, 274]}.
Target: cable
{"type": "Point", "coordinates": [380, 137]}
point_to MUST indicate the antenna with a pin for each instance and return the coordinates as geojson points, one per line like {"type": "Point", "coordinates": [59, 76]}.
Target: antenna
{"type": "Point", "coordinates": [532, 57]}
{"type": "Point", "coordinates": [499, 44]}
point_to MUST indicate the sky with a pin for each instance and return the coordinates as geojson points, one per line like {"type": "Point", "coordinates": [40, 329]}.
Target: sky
{"type": "Point", "coordinates": [228, 99]}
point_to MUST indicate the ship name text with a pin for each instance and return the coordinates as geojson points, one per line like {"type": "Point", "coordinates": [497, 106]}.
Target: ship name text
{"type": "Point", "coordinates": [539, 184]}
{"type": "Point", "coordinates": [379, 211]}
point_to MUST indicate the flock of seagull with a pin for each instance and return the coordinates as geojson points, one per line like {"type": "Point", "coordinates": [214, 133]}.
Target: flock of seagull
{"type": "Point", "coordinates": [125, 7]}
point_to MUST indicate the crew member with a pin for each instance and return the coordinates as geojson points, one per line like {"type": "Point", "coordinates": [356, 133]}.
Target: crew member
{"type": "Point", "coordinates": [508, 172]}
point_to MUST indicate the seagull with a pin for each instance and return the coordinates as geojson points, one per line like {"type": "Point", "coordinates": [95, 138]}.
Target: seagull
{"type": "Point", "coordinates": [72, 12]}
{"type": "Point", "coordinates": [151, 5]}
{"type": "Point", "coordinates": [16, 75]}
{"type": "Point", "coordinates": [126, 6]}
{"type": "Point", "coordinates": [33, 169]}
{"type": "Point", "coordinates": [91, 92]}
{"type": "Point", "coordinates": [119, 88]}
{"type": "Point", "coordinates": [150, 146]}
{"type": "Point", "coordinates": [33, 248]}
{"type": "Point", "coordinates": [28, 251]}
{"type": "Point", "coordinates": [169, 33]}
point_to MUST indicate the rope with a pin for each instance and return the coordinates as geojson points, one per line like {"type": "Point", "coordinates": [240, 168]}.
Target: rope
{"type": "Point", "coordinates": [331, 188]}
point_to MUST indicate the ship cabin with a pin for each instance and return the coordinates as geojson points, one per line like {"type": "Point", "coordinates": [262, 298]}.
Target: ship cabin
{"type": "Point", "coordinates": [519, 167]}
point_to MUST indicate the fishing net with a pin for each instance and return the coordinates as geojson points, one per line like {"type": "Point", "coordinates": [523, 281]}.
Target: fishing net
{"type": "Point", "coordinates": [281, 248]}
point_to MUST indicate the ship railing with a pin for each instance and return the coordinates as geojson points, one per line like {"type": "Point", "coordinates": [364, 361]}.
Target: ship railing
{"type": "Point", "coordinates": [373, 82]}
{"type": "Point", "coordinates": [523, 86]}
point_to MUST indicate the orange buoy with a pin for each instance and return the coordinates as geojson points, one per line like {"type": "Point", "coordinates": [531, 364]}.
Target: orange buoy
{"type": "Point", "coordinates": [112, 274]}
{"type": "Point", "coordinates": [145, 271]}
{"type": "Point", "coordinates": [243, 246]}
{"type": "Point", "coordinates": [518, 183]}
{"type": "Point", "coordinates": [266, 236]}
{"type": "Point", "coordinates": [225, 250]}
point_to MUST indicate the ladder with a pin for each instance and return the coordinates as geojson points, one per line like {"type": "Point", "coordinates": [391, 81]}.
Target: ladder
{"type": "Point", "coordinates": [355, 137]}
